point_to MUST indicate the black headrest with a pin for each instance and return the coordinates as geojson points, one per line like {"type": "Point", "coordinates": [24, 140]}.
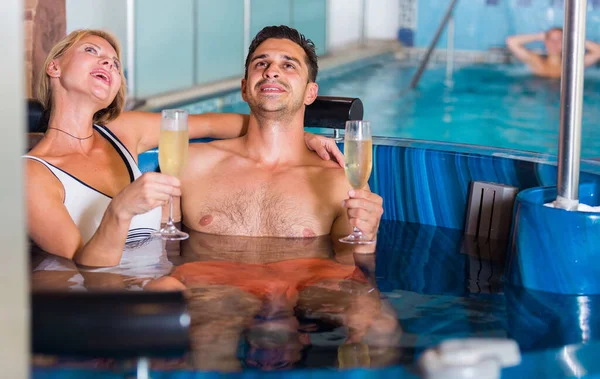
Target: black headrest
{"type": "Point", "coordinates": [333, 112]}
{"type": "Point", "coordinates": [34, 116]}
{"type": "Point", "coordinates": [112, 325]}
{"type": "Point", "coordinates": [325, 112]}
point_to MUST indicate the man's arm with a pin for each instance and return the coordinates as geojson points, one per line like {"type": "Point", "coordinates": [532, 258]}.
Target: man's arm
{"type": "Point", "coordinates": [593, 53]}
{"type": "Point", "coordinates": [516, 44]}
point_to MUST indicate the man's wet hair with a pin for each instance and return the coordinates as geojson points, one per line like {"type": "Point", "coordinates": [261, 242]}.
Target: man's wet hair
{"type": "Point", "coordinates": [285, 32]}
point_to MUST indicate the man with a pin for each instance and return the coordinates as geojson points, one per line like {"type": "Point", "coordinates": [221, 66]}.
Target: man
{"type": "Point", "coordinates": [267, 183]}
{"type": "Point", "coordinates": [549, 65]}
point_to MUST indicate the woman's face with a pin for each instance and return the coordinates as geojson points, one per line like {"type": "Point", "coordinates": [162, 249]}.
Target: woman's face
{"type": "Point", "coordinates": [89, 67]}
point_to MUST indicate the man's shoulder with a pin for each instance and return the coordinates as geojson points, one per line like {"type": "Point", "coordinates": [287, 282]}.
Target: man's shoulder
{"type": "Point", "coordinates": [229, 146]}
{"type": "Point", "coordinates": [329, 173]}
{"type": "Point", "coordinates": [211, 153]}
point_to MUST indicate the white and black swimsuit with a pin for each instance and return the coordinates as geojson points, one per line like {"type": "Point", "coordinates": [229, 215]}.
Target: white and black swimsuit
{"type": "Point", "coordinates": [86, 205]}
{"type": "Point", "coordinates": [142, 257]}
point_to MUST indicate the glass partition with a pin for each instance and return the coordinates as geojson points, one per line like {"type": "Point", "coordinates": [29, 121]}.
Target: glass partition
{"type": "Point", "coordinates": [192, 42]}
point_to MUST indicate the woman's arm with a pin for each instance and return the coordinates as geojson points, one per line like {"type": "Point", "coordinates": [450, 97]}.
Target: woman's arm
{"type": "Point", "coordinates": [142, 129]}
{"type": "Point", "coordinates": [50, 226]}
{"type": "Point", "coordinates": [53, 230]}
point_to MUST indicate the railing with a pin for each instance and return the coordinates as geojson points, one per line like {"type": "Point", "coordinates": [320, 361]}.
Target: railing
{"type": "Point", "coordinates": [438, 33]}
{"type": "Point", "coordinates": [571, 104]}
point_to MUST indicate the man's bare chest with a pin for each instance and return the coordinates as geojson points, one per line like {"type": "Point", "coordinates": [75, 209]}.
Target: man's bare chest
{"type": "Point", "coordinates": [259, 205]}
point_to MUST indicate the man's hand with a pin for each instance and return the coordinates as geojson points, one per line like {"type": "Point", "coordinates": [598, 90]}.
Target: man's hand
{"type": "Point", "coordinates": [324, 147]}
{"type": "Point", "coordinates": [516, 45]}
{"type": "Point", "coordinates": [364, 211]}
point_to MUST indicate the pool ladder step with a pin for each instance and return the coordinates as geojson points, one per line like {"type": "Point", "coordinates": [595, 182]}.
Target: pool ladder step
{"type": "Point", "coordinates": [489, 216]}
{"type": "Point", "coordinates": [489, 212]}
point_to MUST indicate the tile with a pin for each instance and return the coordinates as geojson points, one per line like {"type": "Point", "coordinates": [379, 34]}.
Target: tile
{"type": "Point", "coordinates": [408, 14]}
{"type": "Point", "coordinates": [557, 3]}
{"type": "Point", "coordinates": [406, 36]}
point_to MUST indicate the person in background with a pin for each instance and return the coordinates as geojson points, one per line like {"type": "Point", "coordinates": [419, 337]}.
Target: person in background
{"type": "Point", "coordinates": [549, 65]}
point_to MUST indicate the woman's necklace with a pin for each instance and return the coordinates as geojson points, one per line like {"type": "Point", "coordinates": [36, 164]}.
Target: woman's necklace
{"type": "Point", "coordinates": [79, 138]}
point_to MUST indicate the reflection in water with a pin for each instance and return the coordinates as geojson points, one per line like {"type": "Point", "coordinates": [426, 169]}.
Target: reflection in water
{"type": "Point", "coordinates": [423, 259]}
{"type": "Point", "coordinates": [141, 262]}
{"type": "Point", "coordinates": [274, 303]}
{"type": "Point", "coordinates": [354, 355]}
{"type": "Point", "coordinates": [294, 293]}
{"type": "Point", "coordinates": [440, 283]}
{"type": "Point", "coordinates": [265, 303]}
{"type": "Point", "coordinates": [539, 320]}
{"type": "Point", "coordinates": [571, 364]}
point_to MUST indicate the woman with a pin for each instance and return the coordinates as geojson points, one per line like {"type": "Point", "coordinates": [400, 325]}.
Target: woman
{"type": "Point", "coordinates": [86, 197]}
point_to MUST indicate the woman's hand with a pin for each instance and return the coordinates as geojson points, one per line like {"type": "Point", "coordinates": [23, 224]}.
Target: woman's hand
{"type": "Point", "coordinates": [324, 147]}
{"type": "Point", "coordinates": [147, 192]}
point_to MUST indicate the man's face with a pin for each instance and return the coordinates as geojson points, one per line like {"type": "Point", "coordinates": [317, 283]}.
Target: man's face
{"type": "Point", "coordinates": [278, 78]}
{"type": "Point", "coordinates": [553, 42]}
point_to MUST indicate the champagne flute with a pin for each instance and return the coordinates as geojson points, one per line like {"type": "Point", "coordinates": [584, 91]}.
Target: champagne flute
{"type": "Point", "coordinates": [172, 157]}
{"type": "Point", "coordinates": [358, 154]}
{"type": "Point", "coordinates": [354, 355]}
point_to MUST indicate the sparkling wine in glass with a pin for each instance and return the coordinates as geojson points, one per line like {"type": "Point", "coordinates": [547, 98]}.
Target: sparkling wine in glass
{"type": "Point", "coordinates": [358, 154]}
{"type": "Point", "coordinates": [172, 157]}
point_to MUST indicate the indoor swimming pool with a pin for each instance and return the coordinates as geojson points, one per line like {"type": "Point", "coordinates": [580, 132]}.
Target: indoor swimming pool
{"type": "Point", "coordinates": [493, 105]}
{"type": "Point", "coordinates": [326, 313]}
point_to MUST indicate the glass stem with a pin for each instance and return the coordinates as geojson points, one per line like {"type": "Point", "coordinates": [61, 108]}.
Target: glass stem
{"type": "Point", "coordinates": [356, 231]}
{"type": "Point", "coordinates": [170, 221]}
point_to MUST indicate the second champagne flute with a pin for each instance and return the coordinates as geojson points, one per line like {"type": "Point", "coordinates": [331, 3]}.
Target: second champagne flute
{"type": "Point", "coordinates": [358, 154]}
{"type": "Point", "coordinates": [172, 157]}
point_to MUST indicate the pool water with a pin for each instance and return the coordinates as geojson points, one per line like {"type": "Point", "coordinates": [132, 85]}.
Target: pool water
{"type": "Point", "coordinates": [495, 105]}
{"type": "Point", "coordinates": [492, 105]}
{"type": "Point", "coordinates": [424, 285]}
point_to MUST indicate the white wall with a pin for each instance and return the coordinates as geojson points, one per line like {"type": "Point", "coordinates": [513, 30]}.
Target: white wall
{"type": "Point", "coordinates": [14, 274]}
{"type": "Point", "coordinates": [344, 19]}
{"type": "Point", "coordinates": [110, 15]}
{"type": "Point", "coordinates": [383, 19]}
{"type": "Point", "coordinates": [343, 22]}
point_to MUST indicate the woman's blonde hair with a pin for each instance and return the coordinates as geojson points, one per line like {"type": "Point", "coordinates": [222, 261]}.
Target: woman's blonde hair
{"type": "Point", "coordinates": [44, 90]}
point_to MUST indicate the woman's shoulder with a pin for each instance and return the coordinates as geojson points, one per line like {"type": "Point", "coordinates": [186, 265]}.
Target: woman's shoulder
{"type": "Point", "coordinates": [40, 176]}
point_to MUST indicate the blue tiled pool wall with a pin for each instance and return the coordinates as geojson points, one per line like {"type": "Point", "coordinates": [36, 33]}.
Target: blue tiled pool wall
{"type": "Point", "coordinates": [428, 183]}
{"type": "Point", "coordinates": [430, 187]}
{"type": "Point", "coordinates": [485, 24]}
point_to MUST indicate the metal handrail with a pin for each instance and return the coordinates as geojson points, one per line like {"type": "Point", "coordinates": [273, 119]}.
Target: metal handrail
{"type": "Point", "coordinates": [438, 33]}
{"type": "Point", "coordinates": [571, 105]}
